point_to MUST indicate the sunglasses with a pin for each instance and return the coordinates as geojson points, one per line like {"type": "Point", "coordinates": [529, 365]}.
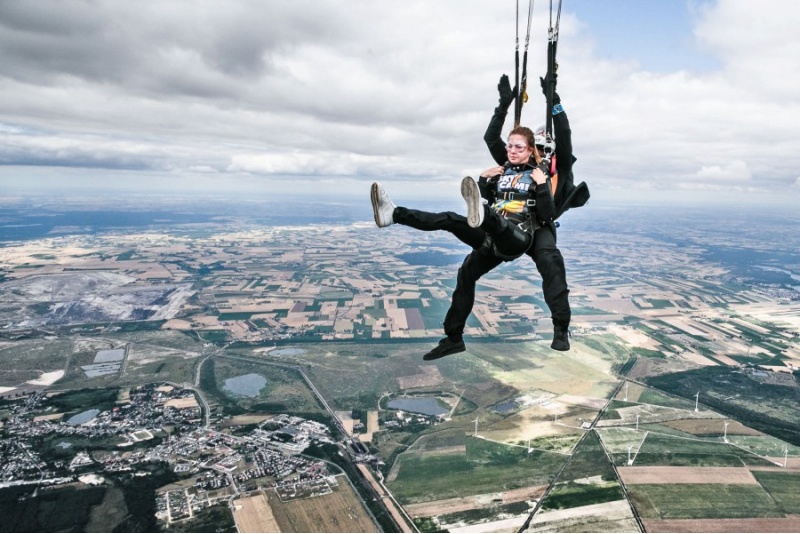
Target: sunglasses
{"type": "Point", "coordinates": [519, 148]}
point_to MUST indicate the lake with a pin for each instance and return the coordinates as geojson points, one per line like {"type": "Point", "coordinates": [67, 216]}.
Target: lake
{"type": "Point", "coordinates": [83, 417]}
{"type": "Point", "coordinates": [506, 406]}
{"type": "Point", "coordinates": [249, 385]}
{"type": "Point", "coordinates": [423, 405]}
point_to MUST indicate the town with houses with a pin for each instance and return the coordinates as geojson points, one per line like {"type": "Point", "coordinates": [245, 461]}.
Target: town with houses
{"type": "Point", "coordinates": [221, 465]}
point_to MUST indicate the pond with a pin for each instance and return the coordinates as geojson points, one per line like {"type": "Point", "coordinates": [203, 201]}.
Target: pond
{"type": "Point", "coordinates": [83, 417]}
{"type": "Point", "coordinates": [289, 351]}
{"type": "Point", "coordinates": [507, 406]}
{"type": "Point", "coordinates": [423, 405]}
{"type": "Point", "coordinates": [249, 385]}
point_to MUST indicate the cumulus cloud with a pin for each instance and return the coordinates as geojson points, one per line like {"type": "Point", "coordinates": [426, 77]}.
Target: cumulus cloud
{"type": "Point", "coordinates": [735, 171]}
{"type": "Point", "coordinates": [255, 91]}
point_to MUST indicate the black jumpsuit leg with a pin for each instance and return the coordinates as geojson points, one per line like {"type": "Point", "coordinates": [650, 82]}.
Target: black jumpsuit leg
{"type": "Point", "coordinates": [478, 263]}
{"type": "Point", "coordinates": [448, 221]}
{"type": "Point", "coordinates": [550, 265]}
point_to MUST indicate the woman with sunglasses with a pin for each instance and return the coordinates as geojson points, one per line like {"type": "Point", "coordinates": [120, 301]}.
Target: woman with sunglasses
{"type": "Point", "coordinates": [544, 252]}
{"type": "Point", "coordinates": [505, 211]}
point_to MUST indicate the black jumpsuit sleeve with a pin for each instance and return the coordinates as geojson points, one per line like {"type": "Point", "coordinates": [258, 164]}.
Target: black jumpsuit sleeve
{"type": "Point", "coordinates": [564, 156]}
{"type": "Point", "coordinates": [563, 135]}
{"type": "Point", "coordinates": [494, 136]}
{"type": "Point", "coordinates": [545, 205]}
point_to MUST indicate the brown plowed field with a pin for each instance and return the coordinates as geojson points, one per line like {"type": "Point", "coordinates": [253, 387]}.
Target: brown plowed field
{"type": "Point", "coordinates": [253, 514]}
{"type": "Point", "coordinates": [785, 524]}
{"type": "Point", "coordinates": [686, 475]}
{"type": "Point", "coordinates": [340, 511]}
{"type": "Point", "coordinates": [473, 502]}
{"type": "Point", "coordinates": [792, 464]}
{"type": "Point", "coordinates": [711, 426]}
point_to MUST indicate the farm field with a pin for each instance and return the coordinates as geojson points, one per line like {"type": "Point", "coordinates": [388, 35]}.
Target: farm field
{"type": "Point", "coordinates": [749, 525]}
{"type": "Point", "coordinates": [339, 511]}
{"type": "Point", "coordinates": [702, 501]}
{"type": "Point", "coordinates": [615, 516]}
{"type": "Point", "coordinates": [28, 360]}
{"type": "Point", "coordinates": [253, 514]}
{"type": "Point", "coordinates": [284, 389]}
{"type": "Point", "coordinates": [783, 487]}
{"type": "Point", "coordinates": [484, 467]}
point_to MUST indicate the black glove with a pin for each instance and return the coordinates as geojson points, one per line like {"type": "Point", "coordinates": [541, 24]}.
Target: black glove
{"type": "Point", "coordinates": [506, 93]}
{"type": "Point", "coordinates": [545, 82]}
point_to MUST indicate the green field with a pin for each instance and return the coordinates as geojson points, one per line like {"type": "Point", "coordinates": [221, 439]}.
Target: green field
{"type": "Point", "coordinates": [234, 316]}
{"type": "Point", "coordinates": [588, 478]}
{"type": "Point", "coordinates": [702, 501]}
{"type": "Point", "coordinates": [764, 445]}
{"type": "Point", "coordinates": [651, 396]}
{"type": "Point", "coordinates": [573, 495]}
{"type": "Point", "coordinates": [784, 488]}
{"type": "Point", "coordinates": [618, 439]}
{"type": "Point", "coordinates": [484, 514]}
{"type": "Point", "coordinates": [771, 408]}
{"type": "Point", "coordinates": [355, 376]}
{"type": "Point", "coordinates": [77, 401]}
{"type": "Point", "coordinates": [285, 390]}
{"type": "Point", "coordinates": [588, 460]}
{"type": "Point", "coordinates": [486, 467]}
{"type": "Point", "coordinates": [27, 360]}
{"type": "Point", "coordinates": [675, 451]}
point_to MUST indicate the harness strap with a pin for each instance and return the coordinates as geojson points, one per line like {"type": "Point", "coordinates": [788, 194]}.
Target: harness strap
{"type": "Point", "coordinates": [514, 195]}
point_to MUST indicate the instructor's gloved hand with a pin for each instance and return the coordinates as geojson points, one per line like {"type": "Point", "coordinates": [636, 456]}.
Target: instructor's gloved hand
{"type": "Point", "coordinates": [545, 82]}
{"type": "Point", "coordinates": [506, 93]}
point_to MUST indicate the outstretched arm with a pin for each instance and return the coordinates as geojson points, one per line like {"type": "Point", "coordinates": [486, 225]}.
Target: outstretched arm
{"type": "Point", "coordinates": [561, 130]}
{"type": "Point", "coordinates": [563, 135]}
{"type": "Point", "coordinates": [494, 132]}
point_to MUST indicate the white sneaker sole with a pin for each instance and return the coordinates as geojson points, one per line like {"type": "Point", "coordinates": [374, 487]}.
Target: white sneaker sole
{"type": "Point", "coordinates": [375, 196]}
{"type": "Point", "coordinates": [472, 196]}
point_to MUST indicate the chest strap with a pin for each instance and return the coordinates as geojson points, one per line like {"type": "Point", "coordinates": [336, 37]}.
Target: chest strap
{"type": "Point", "coordinates": [530, 200]}
{"type": "Point", "coordinates": [514, 195]}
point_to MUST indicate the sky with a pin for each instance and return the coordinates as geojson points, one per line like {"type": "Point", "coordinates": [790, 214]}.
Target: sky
{"type": "Point", "coordinates": [670, 101]}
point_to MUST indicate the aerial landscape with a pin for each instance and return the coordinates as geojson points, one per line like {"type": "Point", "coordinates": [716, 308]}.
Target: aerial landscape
{"type": "Point", "coordinates": [181, 375]}
{"type": "Point", "coordinates": [223, 308]}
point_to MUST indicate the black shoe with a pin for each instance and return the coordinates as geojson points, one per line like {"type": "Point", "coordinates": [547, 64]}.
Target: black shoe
{"type": "Point", "coordinates": [560, 339]}
{"type": "Point", "coordinates": [446, 346]}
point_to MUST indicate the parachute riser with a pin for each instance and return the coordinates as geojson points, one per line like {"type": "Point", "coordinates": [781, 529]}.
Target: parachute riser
{"type": "Point", "coordinates": [552, 67]}
{"type": "Point", "coordinates": [521, 96]}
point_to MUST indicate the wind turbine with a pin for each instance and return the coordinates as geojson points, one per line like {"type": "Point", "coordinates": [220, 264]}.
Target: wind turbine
{"type": "Point", "coordinates": [529, 447]}
{"type": "Point", "coordinates": [630, 461]}
{"type": "Point", "coordinates": [637, 421]}
{"type": "Point", "coordinates": [725, 434]}
{"type": "Point", "coordinates": [476, 427]}
{"type": "Point", "coordinates": [785, 455]}
{"type": "Point", "coordinates": [696, 401]}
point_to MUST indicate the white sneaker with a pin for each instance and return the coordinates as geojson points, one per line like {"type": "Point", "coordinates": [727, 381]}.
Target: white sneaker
{"type": "Point", "coordinates": [382, 206]}
{"type": "Point", "coordinates": [472, 196]}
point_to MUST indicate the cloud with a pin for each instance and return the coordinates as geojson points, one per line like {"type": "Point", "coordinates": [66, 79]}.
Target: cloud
{"type": "Point", "coordinates": [258, 91]}
{"type": "Point", "coordinates": [735, 171]}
